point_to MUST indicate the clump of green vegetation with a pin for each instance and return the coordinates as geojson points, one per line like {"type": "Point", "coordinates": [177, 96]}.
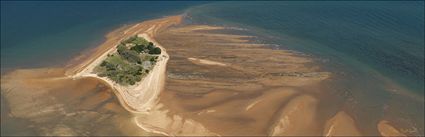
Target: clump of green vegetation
{"type": "Point", "coordinates": [134, 59]}
{"type": "Point", "coordinates": [146, 48]}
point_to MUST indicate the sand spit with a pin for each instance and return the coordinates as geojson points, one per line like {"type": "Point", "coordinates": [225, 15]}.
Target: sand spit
{"type": "Point", "coordinates": [159, 121]}
{"type": "Point", "coordinates": [255, 81]}
{"type": "Point", "coordinates": [55, 97]}
{"type": "Point", "coordinates": [341, 125]}
{"type": "Point", "coordinates": [142, 96]}
{"type": "Point", "coordinates": [297, 118]}
{"type": "Point", "coordinates": [141, 99]}
{"type": "Point", "coordinates": [387, 130]}
{"type": "Point", "coordinates": [113, 38]}
{"type": "Point", "coordinates": [206, 62]}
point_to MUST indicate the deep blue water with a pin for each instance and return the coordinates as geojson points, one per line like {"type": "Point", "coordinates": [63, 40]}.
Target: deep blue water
{"type": "Point", "coordinates": [38, 34]}
{"type": "Point", "coordinates": [386, 37]}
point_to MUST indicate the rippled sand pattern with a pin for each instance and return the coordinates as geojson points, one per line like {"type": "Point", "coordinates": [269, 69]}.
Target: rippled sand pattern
{"type": "Point", "coordinates": [257, 89]}
{"type": "Point", "coordinates": [217, 84]}
{"type": "Point", "coordinates": [53, 104]}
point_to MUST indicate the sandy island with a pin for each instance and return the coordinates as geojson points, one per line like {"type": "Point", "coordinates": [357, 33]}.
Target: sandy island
{"type": "Point", "coordinates": [217, 84]}
{"type": "Point", "coordinates": [141, 96]}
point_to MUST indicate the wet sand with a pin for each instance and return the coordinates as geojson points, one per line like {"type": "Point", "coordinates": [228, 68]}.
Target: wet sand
{"type": "Point", "coordinates": [235, 87]}
{"type": "Point", "coordinates": [216, 84]}
{"type": "Point", "coordinates": [341, 125]}
{"type": "Point", "coordinates": [42, 96]}
{"type": "Point", "coordinates": [54, 105]}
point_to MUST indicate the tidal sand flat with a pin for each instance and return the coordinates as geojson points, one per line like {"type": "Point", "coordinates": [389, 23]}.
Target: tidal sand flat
{"type": "Point", "coordinates": [47, 93]}
{"type": "Point", "coordinates": [51, 104]}
{"type": "Point", "coordinates": [209, 80]}
{"type": "Point", "coordinates": [237, 85]}
{"type": "Point", "coordinates": [234, 86]}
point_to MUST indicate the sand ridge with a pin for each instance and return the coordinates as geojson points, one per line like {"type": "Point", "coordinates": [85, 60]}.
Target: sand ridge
{"type": "Point", "coordinates": [206, 62]}
{"type": "Point", "coordinates": [141, 99]}
{"type": "Point", "coordinates": [235, 87]}
{"type": "Point", "coordinates": [206, 83]}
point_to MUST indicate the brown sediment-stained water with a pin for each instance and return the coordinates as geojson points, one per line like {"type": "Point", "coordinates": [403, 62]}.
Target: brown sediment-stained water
{"type": "Point", "coordinates": [217, 84]}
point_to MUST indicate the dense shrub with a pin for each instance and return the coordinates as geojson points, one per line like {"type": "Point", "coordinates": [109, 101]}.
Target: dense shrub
{"type": "Point", "coordinates": [155, 50]}
{"type": "Point", "coordinates": [131, 56]}
{"type": "Point", "coordinates": [126, 67]}
{"type": "Point", "coordinates": [136, 40]}
{"type": "Point", "coordinates": [138, 48]}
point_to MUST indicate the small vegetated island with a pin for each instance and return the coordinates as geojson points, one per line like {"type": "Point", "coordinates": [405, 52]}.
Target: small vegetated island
{"type": "Point", "coordinates": [134, 59]}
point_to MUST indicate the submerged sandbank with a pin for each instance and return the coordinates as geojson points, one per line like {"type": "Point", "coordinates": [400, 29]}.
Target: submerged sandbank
{"type": "Point", "coordinates": [215, 84]}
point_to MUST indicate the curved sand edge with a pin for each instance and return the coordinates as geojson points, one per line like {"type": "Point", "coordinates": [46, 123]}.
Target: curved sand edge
{"type": "Point", "coordinates": [141, 97]}
{"type": "Point", "coordinates": [206, 62]}
{"type": "Point", "coordinates": [387, 130]}
{"type": "Point", "coordinates": [341, 124]}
